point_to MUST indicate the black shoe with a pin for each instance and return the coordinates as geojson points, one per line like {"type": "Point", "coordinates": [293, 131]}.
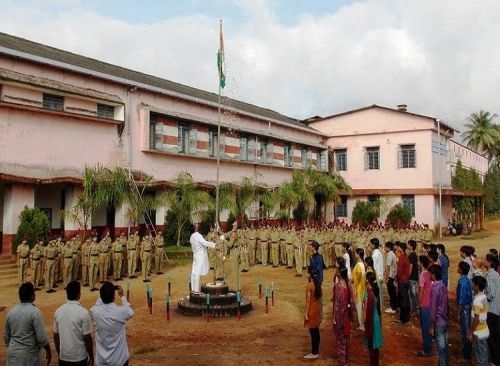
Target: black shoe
{"type": "Point", "coordinates": [298, 275]}
{"type": "Point", "coordinates": [288, 267]}
{"type": "Point", "coordinates": [55, 286]}
{"type": "Point", "coordinates": [133, 276]}
{"type": "Point", "coordinates": [50, 290]}
{"type": "Point", "coordinates": [219, 279]}
{"type": "Point", "coordinates": [93, 289]}
{"type": "Point", "coordinates": [159, 273]}
{"type": "Point", "coordinates": [117, 279]}
{"type": "Point", "coordinates": [37, 289]}
{"type": "Point", "coordinates": [85, 285]}
{"type": "Point", "coordinates": [244, 270]}
{"type": "Point", "coordinates": [146, 281]}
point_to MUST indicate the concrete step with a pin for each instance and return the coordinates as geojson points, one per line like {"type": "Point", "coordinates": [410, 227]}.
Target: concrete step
{"type": "Point", "coordinates": [7, 271]}
{"type": "Point", "coordinates": [5, 260]}
{"type": "Point", "coordinates": [9, 276]}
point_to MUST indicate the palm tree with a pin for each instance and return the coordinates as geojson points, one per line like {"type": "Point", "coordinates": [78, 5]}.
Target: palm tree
{"type": "Point", "coordinates": [482, 133]}
{"type": "Point", "coordinates": [237, 199]}
{"type": "Point", "coordinates": [187, 202]}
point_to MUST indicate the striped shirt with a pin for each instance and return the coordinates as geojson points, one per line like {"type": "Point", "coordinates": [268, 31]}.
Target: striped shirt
{"type": "Point", "coordinates": [480, 308]}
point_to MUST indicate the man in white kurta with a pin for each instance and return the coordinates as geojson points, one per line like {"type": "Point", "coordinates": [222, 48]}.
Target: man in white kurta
{"type": "Point", "coordinates": [200, 258]}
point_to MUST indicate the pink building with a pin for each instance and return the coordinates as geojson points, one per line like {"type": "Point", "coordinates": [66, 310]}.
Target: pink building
{"type": "Point", "coordinates": [61, 111]}
{"type": "Point", "coordinates": [399, 157]}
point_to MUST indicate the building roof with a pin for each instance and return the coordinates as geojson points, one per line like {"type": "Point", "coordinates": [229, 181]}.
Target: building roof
{"type": "Point", "coordinates": [379, 107]}
{"type": "Point", "coordinates": [25, 46]}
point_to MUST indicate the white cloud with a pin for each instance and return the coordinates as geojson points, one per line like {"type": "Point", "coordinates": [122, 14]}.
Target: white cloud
{"type": "Point", "coordinates": [439, 57]}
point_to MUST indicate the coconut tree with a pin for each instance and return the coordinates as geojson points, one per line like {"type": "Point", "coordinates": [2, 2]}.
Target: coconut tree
{"type": "Point", "coordinates": [288, 198]}
{"type": "Point", "coordinates": [482, 133]}
{"type": "Point", "coordinates": [186, 202]}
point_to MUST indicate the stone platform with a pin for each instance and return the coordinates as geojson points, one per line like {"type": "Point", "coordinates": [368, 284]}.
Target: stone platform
{"type": "Point", "coordinates": [223, 302]}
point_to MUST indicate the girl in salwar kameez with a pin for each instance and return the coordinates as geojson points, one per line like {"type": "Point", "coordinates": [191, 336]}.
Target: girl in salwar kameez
{"type": "Point", "coordinates": [343, 306]}
{"type": "Point", "coordinates": [372, 318]}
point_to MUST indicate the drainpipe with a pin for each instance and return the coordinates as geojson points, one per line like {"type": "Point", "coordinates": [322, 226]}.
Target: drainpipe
{"type": "Point", "coordinates": [128, 119]}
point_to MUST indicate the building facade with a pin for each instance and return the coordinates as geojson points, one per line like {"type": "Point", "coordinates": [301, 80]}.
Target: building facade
{"type": "Point", "coordinates": [60, 112]}
{"type": "Point", "coordinates": [396, 156]}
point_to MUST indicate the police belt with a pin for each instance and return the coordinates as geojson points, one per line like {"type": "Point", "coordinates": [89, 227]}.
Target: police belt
{"type": "Point", "coordinates": [131, 249]}
{"type": "Point", "coordinates": [50, 258]}
{"type": "Point", "coordinates": [75, 253]}
{"type": "Point", "coordinates": [264, 241]}
{"type": "Point", "coordinates": [24, 257]}
{"type": "Point", "coordinates": [274, 242]}
{"type": "Point", "coordinates": [289, 243]}
{"type": "Point", "coordinates": [147, 251]}
{"type": "Point", "coordinates": [35, 259]}
{"type": "Point", "coordinates": [106, 252]}
{"type": "Point", "coordinates": [118, 251]}
{"type": "Point", "coordinates": [70, 257]}
{"type": "Point", "coordinates": [94, 255]}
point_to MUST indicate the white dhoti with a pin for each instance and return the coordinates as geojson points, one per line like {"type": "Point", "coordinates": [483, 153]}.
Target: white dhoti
{"type": "Point", "coordinates": [200, 259]}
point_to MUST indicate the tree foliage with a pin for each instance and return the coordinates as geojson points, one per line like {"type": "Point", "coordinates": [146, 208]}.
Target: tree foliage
{"type": "Point", "coordinates": [365, 212]}
{"type": "Point", "coordinates": [34, 226]}
{"type": "Point", "coordinates": [399, 215]}
{"type": "Point", "coordinates": [491, 189]}
{"type": "Point", "coordinates": [482, 134]}
{"type": "Point", "coordinates": [468, 180]}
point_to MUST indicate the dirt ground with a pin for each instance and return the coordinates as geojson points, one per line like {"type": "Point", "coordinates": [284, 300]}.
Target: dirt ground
{"type": "Point", "coordinates": [277, 338]}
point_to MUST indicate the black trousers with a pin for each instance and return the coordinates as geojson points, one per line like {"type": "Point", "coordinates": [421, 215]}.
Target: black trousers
{"type": "Point", "coordinates": [393, 296]}
{"type": "Point", "coordinates": [315, 338]}
{"type": "Point", "coordinates": [77, 363]}
{"type": "Point", "coordinates": [404, 302]}
{"type": "Point", "coordinates": [493, 322]}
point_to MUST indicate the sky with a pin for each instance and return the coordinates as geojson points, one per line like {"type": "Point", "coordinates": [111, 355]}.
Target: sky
{"type": "Point", "coordinates": [299, 57]}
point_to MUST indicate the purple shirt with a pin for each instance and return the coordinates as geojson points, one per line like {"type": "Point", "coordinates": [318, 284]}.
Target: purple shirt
{"type": "Point", "coordinates": [439, 304]}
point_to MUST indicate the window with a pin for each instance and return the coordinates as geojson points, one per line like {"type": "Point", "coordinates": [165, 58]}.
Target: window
{"type": "Point", "coordinates": [407, 156]}
{"type": "Point", "coordinates": [251, 148]}
{"type": "Point", "coordinates": [183, 138]}
{"type": "Point", "coordinates": [263, 151]}
{"type": "Point", "coordinates": [341, 208]}
{"type": "Point", "coordinates": [243, 148]}
{"type": "Point", "coordinates": [288, 160]}
{"type": "Point", "coordinates": [373, 198]}
{"type": "Point", "coordinates": [212, 142]}
{"type": "Point", "coordinates": [155, 135]}
{"type": "Point", "coordinates": [54, 102]}
{"type": "Point", "coordinates": [409, 201]}
{"type": "Point", "coordinates": [303, 157]}
{"type": "Point", "coordinates": [372, 158]}
{"type": "Point", "coordinates": [105, 111]}
{"type": "Point", "coordinates": [321, 162]}
{"type": "Point", "coordinates": [341, 159]}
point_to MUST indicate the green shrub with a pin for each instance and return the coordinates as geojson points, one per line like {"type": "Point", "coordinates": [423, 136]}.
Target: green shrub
{"type": "Point", "coordinates": [365, 212]}
{"type": "Point", "coordinates": [34, 226]}
{"type": "Point", "coordinates": [399, 215]}
{"type": "Point", "coordinates": [170, 231]}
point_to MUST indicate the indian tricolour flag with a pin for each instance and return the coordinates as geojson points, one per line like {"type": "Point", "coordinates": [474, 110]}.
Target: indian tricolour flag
{"type": "Point", "coordinates": [221, 64]}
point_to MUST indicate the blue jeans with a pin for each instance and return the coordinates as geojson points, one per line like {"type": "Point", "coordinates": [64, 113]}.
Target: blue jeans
{"type": "Point", "coordinates": [413, 296]}
{"type": "Point", "coordinates": [465, 320]}
{"type": "Point", "coordinates": [442, 344]}
{"type": "Point", "coordinates": [481, 351]}
{"type": "Point", "coordinates": [425, 325]}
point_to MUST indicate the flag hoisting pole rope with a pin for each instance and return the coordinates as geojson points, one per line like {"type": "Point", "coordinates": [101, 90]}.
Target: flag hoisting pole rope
{"type": "Point", "coordinates": [220, 61]}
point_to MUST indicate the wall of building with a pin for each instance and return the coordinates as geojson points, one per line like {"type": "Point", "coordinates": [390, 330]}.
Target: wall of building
{"type": "Point", "coordinates": [49, 197]}
{"type": "Point", "coordinates": [469, 158]}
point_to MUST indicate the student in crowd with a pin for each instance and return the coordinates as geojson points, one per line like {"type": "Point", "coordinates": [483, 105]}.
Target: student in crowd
{"type": "Point", "coordinates": [444, 262]}
{"type": "Point", "coordinates": [340, 265]}
{"type": "Point", "coordinates": [439, 314]}
{"type": "Point", "coordinates": [24, 331]}
{"type": "Point", "coordinates": [403, 280]}
{"type": "Point", "coordinates": [494, 252]}
{"type": "Point", "coordinates": [358, 279]}
{"type": "Point", "coordinates": [73, 330]}
{"type": "Point", "coordinates": [317, 261]}
{"type": "Point", "coordinates": [110, 320]}
{"type": "Point", "coordinates": [378, 265]}
{"type": "Point", "coordinates": [390, 277]}
{"type": "Point", "coordinates": [479, 328]}
{"type": "Point", "coordinates": [424, 299]}
{"type": "Point", "coordinates": [348, 258]}
{"type": "Point", "coordinates": [477, 267]}
{"type": "Point", "coordinates": [464, 302]}
{"type": "Point", "coordinates": [413, 259]}
{"type": "Point", "coordinates": [372, 316]}
{"type": "Point", "coordinates": [369, 264]}
{"type": "Point", "coordinates": [492, 293]}
{"type": "Point", "coordinates": [466, 252]}
{"type": "Point", "coordinates": [312, 316]}
{"type": "Point", "coordinates": [434, 258]}
{"type": "Point", "coordinates": [343, 308]}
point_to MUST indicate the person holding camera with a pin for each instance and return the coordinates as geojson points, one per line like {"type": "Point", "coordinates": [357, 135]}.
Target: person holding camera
{"type": "Point", "coordinates": [110, 320]}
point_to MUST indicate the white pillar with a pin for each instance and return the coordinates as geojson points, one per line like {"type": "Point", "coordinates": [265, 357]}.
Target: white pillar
{"type": "Point", "coordinates": [71, 224]}
{"type": "Point", "coordinates": [122, 219]}
{"type": "Point", "coordinates": [16, 197]}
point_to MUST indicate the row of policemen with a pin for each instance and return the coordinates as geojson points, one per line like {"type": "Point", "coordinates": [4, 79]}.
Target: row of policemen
{"type": "Point", "coordinates": [91, 260]}
{"type": "Point", "coordinates": [273, 244]}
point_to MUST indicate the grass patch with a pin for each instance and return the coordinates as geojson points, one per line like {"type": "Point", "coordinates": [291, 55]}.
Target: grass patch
{"type": "Point", "coordinates": [177, 249]}
{"type": "Point", "coordinates": [141, 350]}
{"type": "Point", "coordinates": [174, 262]}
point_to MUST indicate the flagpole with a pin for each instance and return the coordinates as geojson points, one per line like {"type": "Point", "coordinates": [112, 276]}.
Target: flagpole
{"type": "Point", "coordinates": [218, 152]}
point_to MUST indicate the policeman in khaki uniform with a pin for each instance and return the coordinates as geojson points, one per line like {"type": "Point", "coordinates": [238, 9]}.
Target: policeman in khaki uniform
{"type": "Point", "coordinates": [67, 252]}
{"type": "Point", "coordinates": [159, 252]}
{"type": "Point", "coordinates": [275, 247]}
{"type": "Point", "coordinates": [250, 235]}
{"type": "Point", "coordinates": [212, 237]}
{"type": "Point", "coordinates": [283, 234]}
{"type": "Point", "coordinates": [77, 255]}
{"type": "Point", "coordinates": [107, 241]}
{"type": "Point", "coordinates": [234, 240]}
{"type": "Point", "coordinates": [146, 249]}
{"type": "Point", "coordinates": [219, 258]}
{"type": "Point", "coordinates": [51, 259]}
{"type": "Point", "coordinates": [94, 263]}
{"type": "Point", "coordinates": [85, 253]}
{"type": "Point", "coordinates": [116, 248]}
{"type": "Point", "coordinates": [264, 244]}
{"type": "Point", "coordinates": [36, 258]}
{"type": "Point", "coordinates": [290, 238]}
{"type": "Point", "coordinates": [298, 251]}
{"type": "Point", "coordinates": [59, 268]}
{"type": "Point", "coordinates": [103, 259]}
{"type": "Point", "coordinates": [132, 244]}
{"type": "Point", "coordinates": [244, 256]}
{"type": "Point", "coordinates": [23, 254]}
{"type": "Point", "coordinates": [258, 234]}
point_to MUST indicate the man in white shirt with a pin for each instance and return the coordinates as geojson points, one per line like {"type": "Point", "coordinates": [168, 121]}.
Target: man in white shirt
{"type": "Point", "coordinates": [110, 320]}
{"type": "Point", "coordinates": [200, 258]}
{"type": "Point", "coordinates": [378, 265]}
{"type": "Point", "coordinates": [73, 330]}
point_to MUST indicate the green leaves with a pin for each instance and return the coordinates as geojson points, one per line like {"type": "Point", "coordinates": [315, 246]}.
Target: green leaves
{"type": "Point", "coordinates": [482, 134]}
{"type": "Point", "coordinates": [34, 226]}
{"type": "Point", "coordinates": [467, 180]}
{"type": "Point", "coordinates": [365, 212]}
{"type": "Point", "coordinates": [399, 214]}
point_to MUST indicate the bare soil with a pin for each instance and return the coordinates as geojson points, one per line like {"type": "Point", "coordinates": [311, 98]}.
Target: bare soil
{"type": "Point", "coordinates": [277, 338]}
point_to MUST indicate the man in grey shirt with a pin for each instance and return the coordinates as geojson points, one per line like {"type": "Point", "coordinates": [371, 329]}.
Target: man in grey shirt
{"type": "Point", "coordinates": [24, 331]}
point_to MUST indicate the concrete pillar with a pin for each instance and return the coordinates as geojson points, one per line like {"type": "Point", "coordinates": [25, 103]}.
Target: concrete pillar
{"type": "Point", "coordinates": [16, 197]}
{"type": "Point", "coordinates": [72, 224]}
{"type": "Point", "coordinates": [122, 219]}
{"type": "Point", "coordinates": [161, 212]}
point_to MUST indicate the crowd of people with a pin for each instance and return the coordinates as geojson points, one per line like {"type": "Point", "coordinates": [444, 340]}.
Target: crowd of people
{"type": "Point", "coordinates": [417, 285]}
{"type": "Point", "coordinates": [89, 260]}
